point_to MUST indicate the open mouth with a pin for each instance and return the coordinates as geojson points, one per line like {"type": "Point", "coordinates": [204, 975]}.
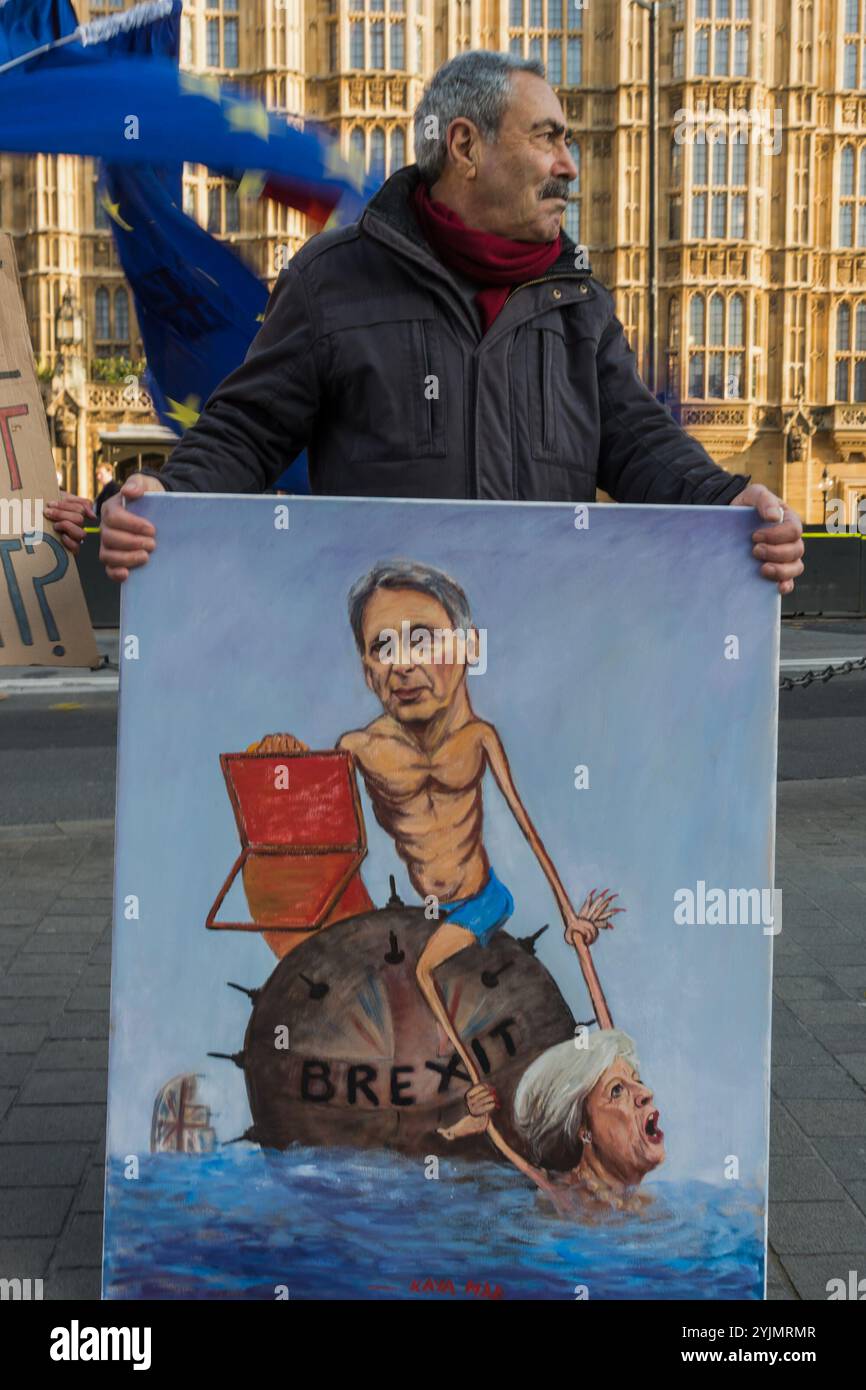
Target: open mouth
{"type": "Point", "coordinates": [653, 1132]}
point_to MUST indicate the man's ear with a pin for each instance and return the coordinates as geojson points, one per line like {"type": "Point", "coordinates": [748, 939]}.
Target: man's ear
{"type": "Point", "coordinates": [462, 141]}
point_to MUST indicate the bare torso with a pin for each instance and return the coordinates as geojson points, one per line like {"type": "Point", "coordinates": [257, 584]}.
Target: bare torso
{"type": "Point", "coordinates": [429, 801]}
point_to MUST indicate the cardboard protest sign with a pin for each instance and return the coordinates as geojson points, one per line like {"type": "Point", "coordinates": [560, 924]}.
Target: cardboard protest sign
{"type": "Point", "coordinates": [444, 969]}
{"type": "Point", "coordinates": [43, 615]}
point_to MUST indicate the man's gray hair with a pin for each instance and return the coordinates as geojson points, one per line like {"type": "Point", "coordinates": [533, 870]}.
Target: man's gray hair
{"type": "Point", "coordinates": [407, 574]}
{"type": "Point", "coordinates": [549, 1100]}
{"type": "Point", "coordinates": [476, 85]}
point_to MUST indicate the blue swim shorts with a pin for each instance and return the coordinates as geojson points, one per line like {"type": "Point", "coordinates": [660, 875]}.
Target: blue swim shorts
{"type": "Point", "coordinates": [484, 913]}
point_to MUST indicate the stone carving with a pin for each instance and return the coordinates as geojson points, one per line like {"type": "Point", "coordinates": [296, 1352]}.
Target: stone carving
{"type": "Point", "coordinates": [715, 415]}
{"type": "Point", "coordinates": [109, 396]}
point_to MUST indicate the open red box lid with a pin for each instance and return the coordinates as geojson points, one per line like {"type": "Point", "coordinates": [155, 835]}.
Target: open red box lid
{"type": "Point", "coordinates": [302, 835]}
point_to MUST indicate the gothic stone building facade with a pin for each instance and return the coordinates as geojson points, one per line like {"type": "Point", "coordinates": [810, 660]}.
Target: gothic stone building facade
{"type": "Point", "coordinates": [761, 223]}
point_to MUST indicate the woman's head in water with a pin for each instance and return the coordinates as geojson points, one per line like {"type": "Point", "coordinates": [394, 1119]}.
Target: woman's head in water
{"type": "Point", "coordinates": [582, 1102]}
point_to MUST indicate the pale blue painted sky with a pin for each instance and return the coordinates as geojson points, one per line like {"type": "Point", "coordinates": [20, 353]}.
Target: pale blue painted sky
{"type": "Point", "coordinates": [605, 647]}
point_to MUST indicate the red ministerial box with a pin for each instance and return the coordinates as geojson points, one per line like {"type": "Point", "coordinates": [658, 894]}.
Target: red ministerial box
{"type": "Point", "coordinates": [302, 836]}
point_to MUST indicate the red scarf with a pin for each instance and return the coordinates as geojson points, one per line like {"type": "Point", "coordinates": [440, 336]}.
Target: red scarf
{"type": "Point", "coordinates": [496, 262]}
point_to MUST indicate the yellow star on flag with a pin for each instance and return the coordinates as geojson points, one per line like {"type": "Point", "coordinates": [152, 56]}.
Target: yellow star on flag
{"type": "Point", "coordinates": [113, 210]}
{"type": "Point", "coordinates": [185, 414]}
{"type": "Point", "coordinates": [200, 86]}
{"type": "Point", "coordinates": [252, 184]}
{"type": "Point", "coordinates": [248, 115]}
{"type": "Point", "coordinates": [336, 167]}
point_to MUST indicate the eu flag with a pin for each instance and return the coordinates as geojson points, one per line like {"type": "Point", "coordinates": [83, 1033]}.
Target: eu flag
{"type": "Point", "coordinates": [116, 80]}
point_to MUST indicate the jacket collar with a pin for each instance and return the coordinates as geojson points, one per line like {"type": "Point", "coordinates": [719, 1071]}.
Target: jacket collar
{"type": "Point", "coordinates": [391, 205]}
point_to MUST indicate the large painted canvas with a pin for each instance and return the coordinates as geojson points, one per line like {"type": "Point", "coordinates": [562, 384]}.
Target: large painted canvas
{"type": "Point", "coordinates": [443, 911]}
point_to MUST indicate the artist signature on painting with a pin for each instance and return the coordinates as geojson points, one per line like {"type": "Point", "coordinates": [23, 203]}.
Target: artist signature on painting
{"type": "Point", "coordinates": [447, 1286]}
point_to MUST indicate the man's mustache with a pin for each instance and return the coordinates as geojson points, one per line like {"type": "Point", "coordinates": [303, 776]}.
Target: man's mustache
{"type": "Point", "coordinates": [554, 188]}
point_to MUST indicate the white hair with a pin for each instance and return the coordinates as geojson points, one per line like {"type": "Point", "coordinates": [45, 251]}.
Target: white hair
{"type": "Point", "coordinates": [549, 1100]}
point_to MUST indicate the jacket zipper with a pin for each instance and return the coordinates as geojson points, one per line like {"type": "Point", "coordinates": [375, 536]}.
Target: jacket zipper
{"type": "Point", "coordinates": [540, 281]}
{"type": "Point", "coordinates": [470, 451]}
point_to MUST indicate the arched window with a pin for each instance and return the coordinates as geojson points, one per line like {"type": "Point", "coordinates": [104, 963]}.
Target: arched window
{"type": "Point", "coordinates": [673, 355]}
{"type": "Point", "coordinates": [102, 327]}
{"type": "Point", "coordinates": [100, 216]}
{"type": "Point", "coordinates": [736, 361]}
{"type": "Point", "coordinates": [357, 147]}
{"type": "Point", "coordinates": [232, 206]}
{"type": "Point", "coordinates": [700, 178]}
{"type": "Point", "coordinates": [851, 208]}
{"type": "Point", "coordinates": [723, 30]}
{"type": "Point", "coordinates": [696, 319]}
{"type": "Point", "coordinates": [674, 324]}
{"type": "Point", "coordinates": [851, 352]}
{"type": "Point", "coordinates": [377, 152]}
{"type": "Point", "coordinates": [853, 65]}
{"type": "Point", "coordinates": [356, 44]}
{"type": "Point", "coordinates": [675, 175]}
{"type": "Point", "coordinates": [675, 183]}
{"type": "Point", "coordinates": [121, 316]}
{"type": "Point", "coordinates": [702, 53]}
{"type": "Point", "coordinates": [717, 347]}
{"type": "Point", "coordinates": [697, 329]}
{"type": "Point", "coordinates": [719, 189]}
{"type": "Point", "coordinates": [843, 328]}
{"type": "Point", "coordinates": [398, 148]}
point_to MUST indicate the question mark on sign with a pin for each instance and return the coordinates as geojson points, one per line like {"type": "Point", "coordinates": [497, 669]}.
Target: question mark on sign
{"type": "Point", "coordinates": [7, 549]}
{"type": "Point", "coordinates": [40, 584]}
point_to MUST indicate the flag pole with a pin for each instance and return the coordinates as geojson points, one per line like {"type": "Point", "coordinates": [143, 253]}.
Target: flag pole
{"type": "Point", "coordinates": [43, 48]}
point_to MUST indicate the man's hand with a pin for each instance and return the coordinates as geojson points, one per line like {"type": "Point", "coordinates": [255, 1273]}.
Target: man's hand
{"type": "Point", "coordinates": [779, 546]}
{"type": "Point", "coordinates": [279, 743]}
{"type": "Point", "coordinates": [127, 540]}
{"type": "Point", "coordinates": [69, 516]}
{"type": "Point", "coordinates": [595, 913]}
{"type": "Point", "coordinates": [481, 1101]}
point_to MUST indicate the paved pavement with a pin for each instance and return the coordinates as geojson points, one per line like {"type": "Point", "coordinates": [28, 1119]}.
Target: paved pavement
{"type": "Point", "coordinates": [55, 944]}
{"type": "Point", "coordinates": [55, 905]}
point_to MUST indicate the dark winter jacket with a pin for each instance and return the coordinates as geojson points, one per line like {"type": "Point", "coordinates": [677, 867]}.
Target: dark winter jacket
{"type": "Point", "coordinates": [368, 357]}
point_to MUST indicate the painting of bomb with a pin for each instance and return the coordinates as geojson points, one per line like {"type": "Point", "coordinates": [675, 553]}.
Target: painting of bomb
{"type": "Point", "coordinates": [462, 1015]}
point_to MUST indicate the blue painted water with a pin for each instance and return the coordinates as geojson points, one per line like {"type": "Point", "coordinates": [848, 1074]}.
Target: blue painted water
{"type": "Point", "coordinates": [310, 1224]}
